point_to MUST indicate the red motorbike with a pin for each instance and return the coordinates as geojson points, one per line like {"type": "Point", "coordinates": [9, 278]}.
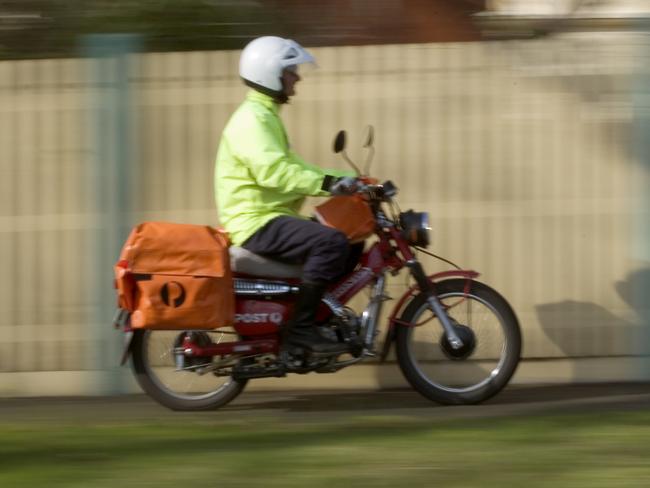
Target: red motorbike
{"type": "Point", "coordinates": [457, 341]}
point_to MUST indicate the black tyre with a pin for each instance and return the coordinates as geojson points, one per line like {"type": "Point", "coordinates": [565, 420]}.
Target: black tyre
{"type": "Point", "coordinates": [487, 325]}
{"type": "Point", "coordinates": [154, 365]}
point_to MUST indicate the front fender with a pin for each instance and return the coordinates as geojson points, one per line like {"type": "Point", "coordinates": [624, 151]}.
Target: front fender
{"type": "Point", "coordinates": [410, 294]}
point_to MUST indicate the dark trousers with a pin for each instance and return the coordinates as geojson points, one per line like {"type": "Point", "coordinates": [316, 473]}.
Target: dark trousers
{"type": "Point", "coordinates": [324, 252]}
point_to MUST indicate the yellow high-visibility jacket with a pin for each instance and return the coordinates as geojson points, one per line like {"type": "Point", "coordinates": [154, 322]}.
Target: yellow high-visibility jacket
{"type": "Point", "coordinates": [257, 175]}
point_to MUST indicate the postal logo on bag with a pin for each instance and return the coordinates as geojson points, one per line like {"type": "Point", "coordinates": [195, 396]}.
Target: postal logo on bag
{"type": "Point", "coordinates": [173, 294]}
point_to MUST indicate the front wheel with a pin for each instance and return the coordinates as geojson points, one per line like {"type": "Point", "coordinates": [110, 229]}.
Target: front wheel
{"type": "Point", "coordinates": [194, 386]}
{"type": "Point", "coordinates": [489, 330]}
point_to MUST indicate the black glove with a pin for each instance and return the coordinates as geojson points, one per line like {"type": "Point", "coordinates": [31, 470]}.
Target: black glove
{"type": "Point", "coordinates": [346, 185]}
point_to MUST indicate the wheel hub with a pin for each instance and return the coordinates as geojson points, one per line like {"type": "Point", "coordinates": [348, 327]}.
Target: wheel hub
{"type": "Point", "coordinates": [201, 339]}
{"type": "Point", "coordinates": [467, 336]}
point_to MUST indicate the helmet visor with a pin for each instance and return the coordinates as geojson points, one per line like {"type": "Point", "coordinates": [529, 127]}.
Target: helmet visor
{"type": "Point", "coordinates": [294, 55]}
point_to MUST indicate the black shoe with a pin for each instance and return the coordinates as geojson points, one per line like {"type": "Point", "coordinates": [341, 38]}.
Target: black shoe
{"type": "Point", "coordinates": [300, 330]}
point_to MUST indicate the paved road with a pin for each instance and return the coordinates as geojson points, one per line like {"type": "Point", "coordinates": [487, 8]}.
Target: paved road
{"type": "Point", "coordinates": [321, 406]}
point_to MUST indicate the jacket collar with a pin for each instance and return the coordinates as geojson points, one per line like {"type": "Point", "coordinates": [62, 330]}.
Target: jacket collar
{"type": "Point", "coordinates": [267, 101]}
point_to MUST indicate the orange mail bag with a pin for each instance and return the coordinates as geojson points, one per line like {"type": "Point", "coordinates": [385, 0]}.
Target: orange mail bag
{"type": "Point", "coordinates": [349, 214]}
{"type": "Point", "coordinates": [175, 276]}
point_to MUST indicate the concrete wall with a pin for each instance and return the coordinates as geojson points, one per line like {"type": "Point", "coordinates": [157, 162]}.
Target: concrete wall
{"type": "Point", "coordinates": [524, 153]}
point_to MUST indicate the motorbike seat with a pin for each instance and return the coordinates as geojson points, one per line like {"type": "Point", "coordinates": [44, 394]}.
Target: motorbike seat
{"type": "Point", "coordinates": [245, 262]}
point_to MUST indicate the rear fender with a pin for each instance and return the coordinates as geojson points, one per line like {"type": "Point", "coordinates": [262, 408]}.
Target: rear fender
{"type": "Point", "coordinates": [410, 294]}
{"type": "Point", "coordinates": [128, 346]}
{"type": "Point", "coordinates": [122, 320]}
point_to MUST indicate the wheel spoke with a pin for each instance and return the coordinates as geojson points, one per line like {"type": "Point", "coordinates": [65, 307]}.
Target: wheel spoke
{"type": "Point", "coordinates": [185, 384]}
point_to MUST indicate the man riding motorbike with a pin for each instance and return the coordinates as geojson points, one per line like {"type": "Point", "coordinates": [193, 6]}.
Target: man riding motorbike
{"type": "Point", "coordinates": [261, 184]}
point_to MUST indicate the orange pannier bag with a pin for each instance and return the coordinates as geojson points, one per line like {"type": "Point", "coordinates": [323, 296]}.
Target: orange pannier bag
{"type": "Point", "coordinates": [176, 276]}
{"type": "Point", "coordinates": [349, 214]}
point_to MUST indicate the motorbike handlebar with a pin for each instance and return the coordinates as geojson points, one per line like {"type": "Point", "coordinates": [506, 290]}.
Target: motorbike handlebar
{"type": "Point", "coordinates": [376, 190]}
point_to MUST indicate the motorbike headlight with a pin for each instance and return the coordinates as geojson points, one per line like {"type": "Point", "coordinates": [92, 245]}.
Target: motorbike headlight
{"type": "Point", "coordinates": [415, 227]}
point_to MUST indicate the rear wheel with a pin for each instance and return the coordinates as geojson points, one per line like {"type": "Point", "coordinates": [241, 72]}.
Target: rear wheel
{"type": "Point", "coordinates": [193, 386]}
{"type": "Point", "coordinates": [489, 329]}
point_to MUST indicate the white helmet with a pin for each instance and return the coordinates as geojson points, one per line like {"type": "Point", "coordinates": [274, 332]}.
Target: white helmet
{"type": "Point", "coordinates": [263, 60]}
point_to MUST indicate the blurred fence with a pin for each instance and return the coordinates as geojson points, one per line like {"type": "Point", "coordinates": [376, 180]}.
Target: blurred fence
{"type": "Point", "coordinates": [526, 155]}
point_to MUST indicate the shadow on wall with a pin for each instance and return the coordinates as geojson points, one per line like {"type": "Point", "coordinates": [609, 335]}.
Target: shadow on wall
{"type": "Point", "coordinates": [584, 329]}
{"type": "Point", "coordinates": [635, 290]}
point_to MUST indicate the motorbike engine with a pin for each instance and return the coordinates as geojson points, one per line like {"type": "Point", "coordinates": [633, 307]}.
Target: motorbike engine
{"type": "Point", "coordinates": [344, 326]}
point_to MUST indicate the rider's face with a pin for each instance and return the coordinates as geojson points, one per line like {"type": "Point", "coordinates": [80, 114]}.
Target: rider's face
{"type": "Point", "coordinates": [290, 77]}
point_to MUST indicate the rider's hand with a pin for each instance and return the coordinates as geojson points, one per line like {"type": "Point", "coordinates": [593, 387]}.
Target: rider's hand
{"type": "Point", "coordinates": [346, 185]}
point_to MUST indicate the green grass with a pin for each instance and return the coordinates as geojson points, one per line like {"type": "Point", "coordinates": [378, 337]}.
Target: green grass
{"type": "Point", "coordinates": [589, 450]}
